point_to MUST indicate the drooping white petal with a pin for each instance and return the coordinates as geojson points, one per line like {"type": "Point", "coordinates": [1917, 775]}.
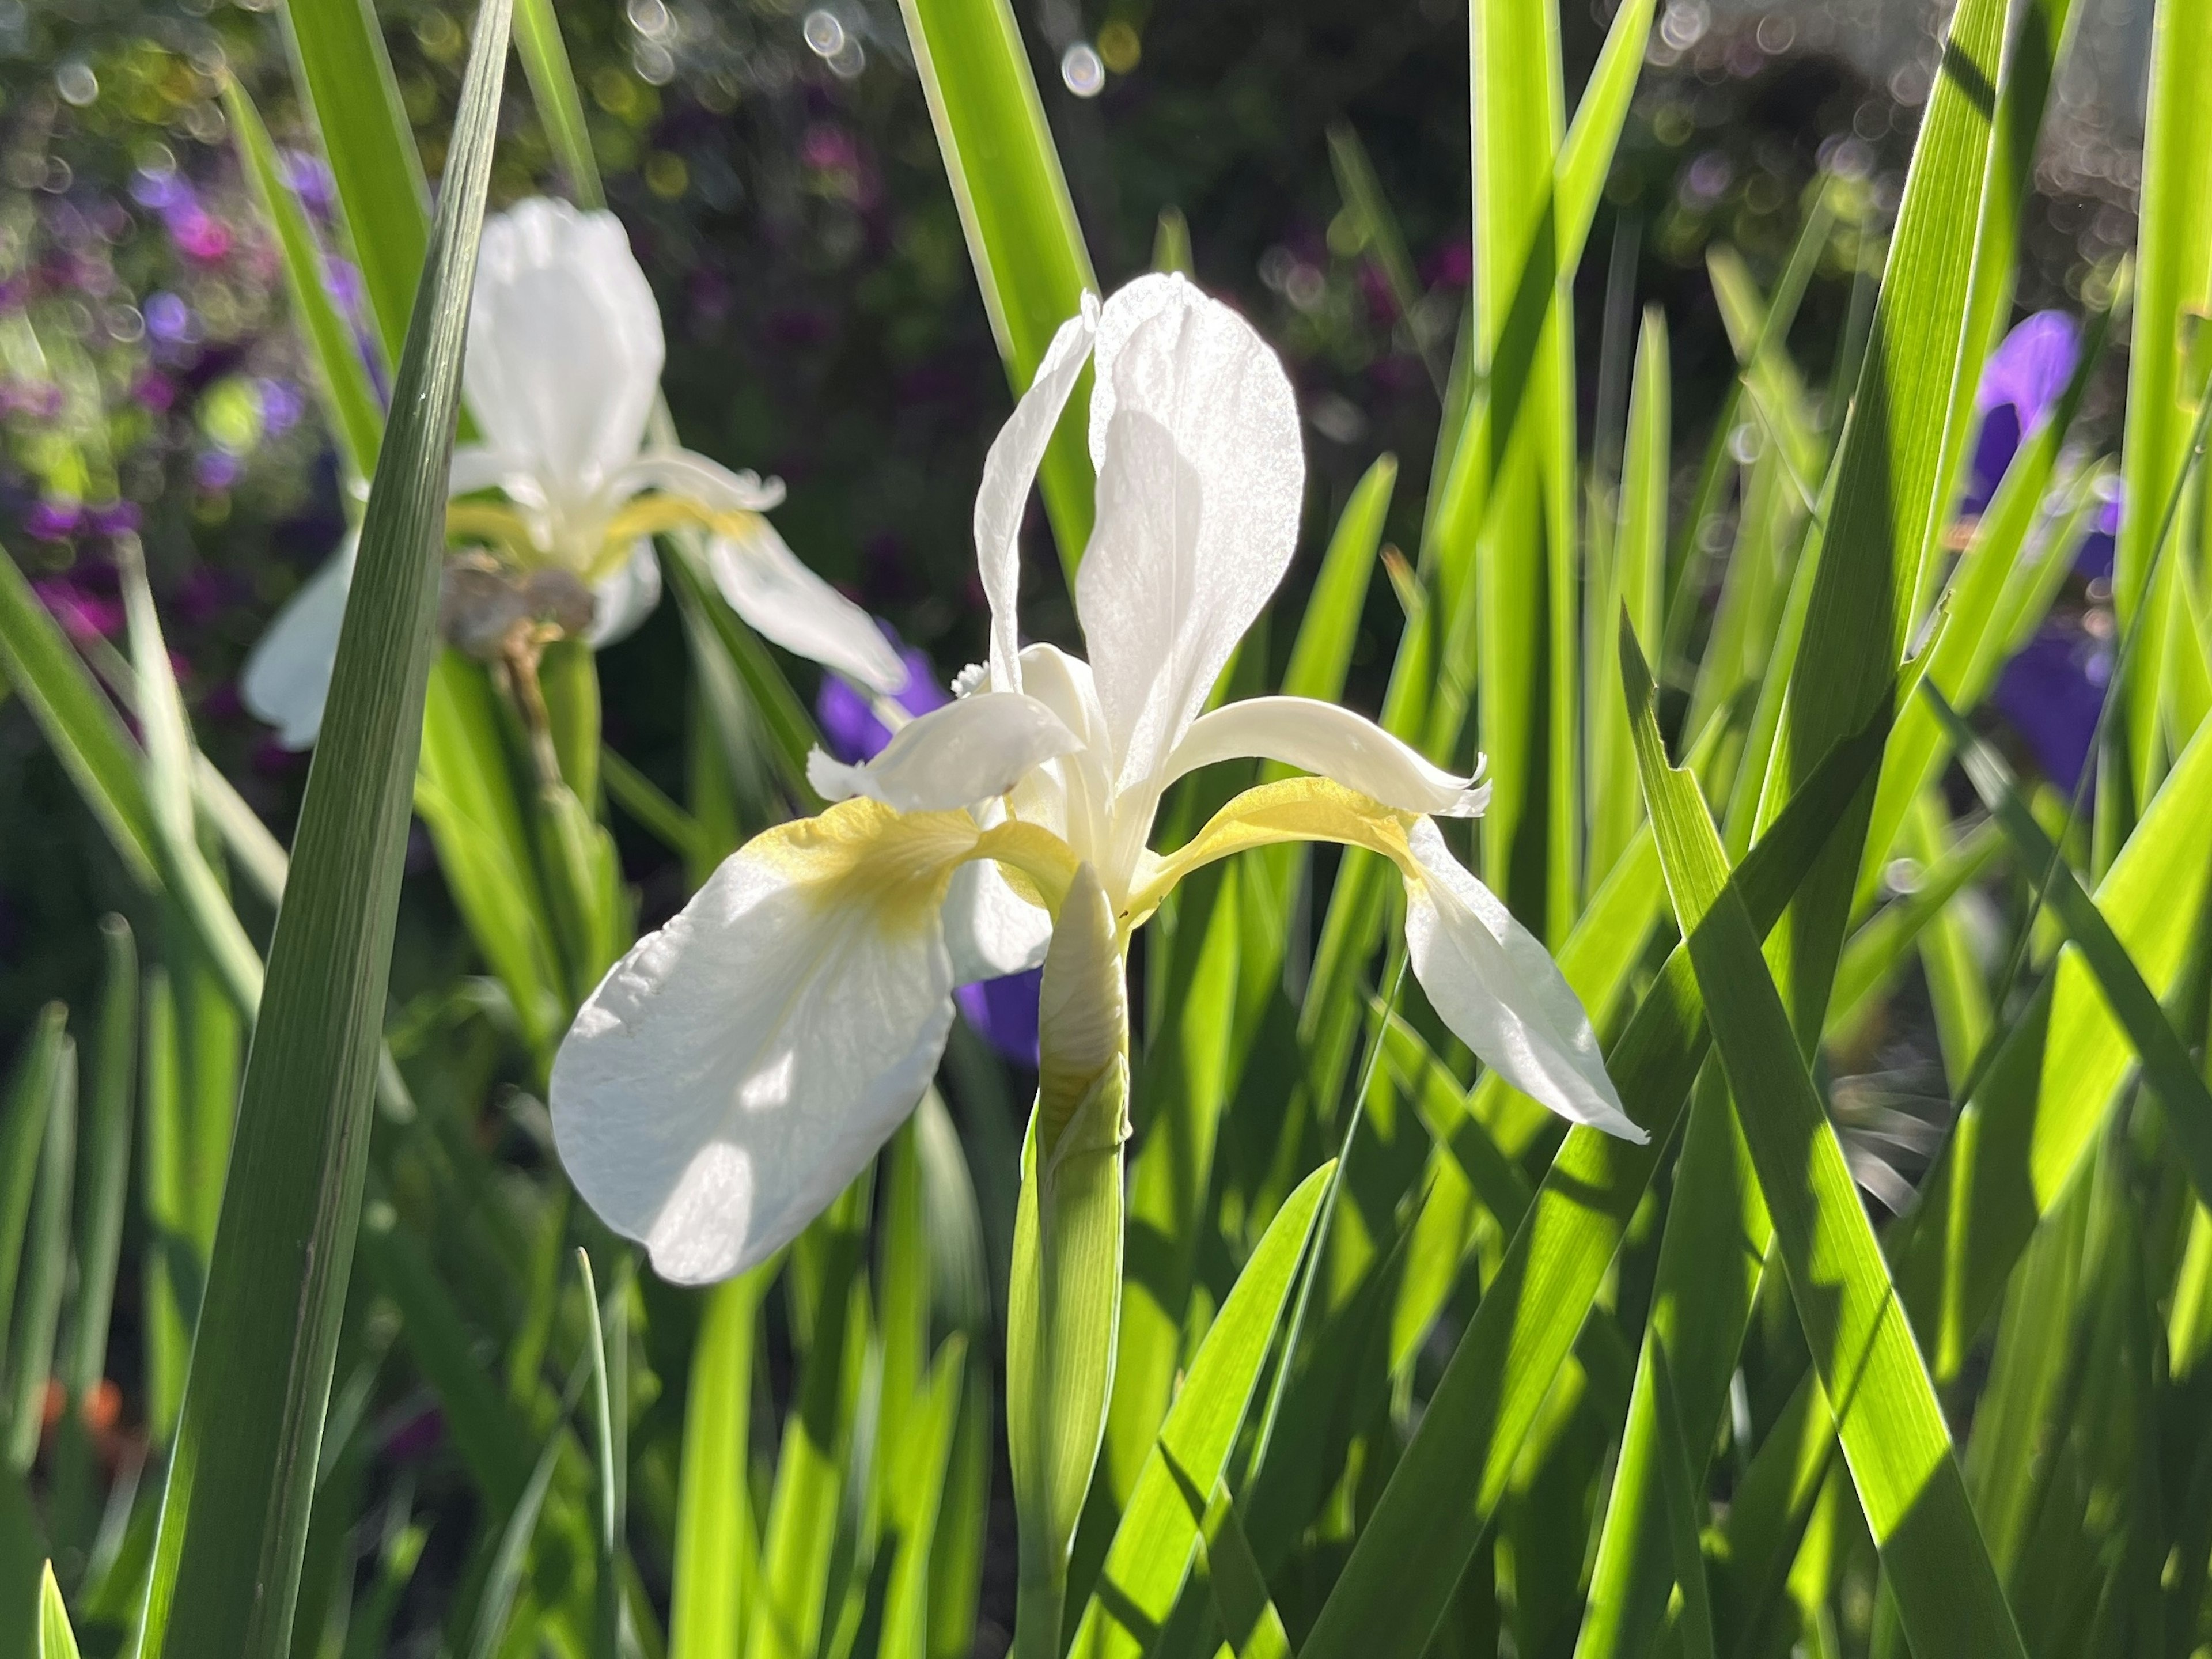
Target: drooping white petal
{"type": "Point", "coordinates": [287, 675]}
{"type": "Point", "coordinates": [1499, 989]}
{"type": "Point", "coordinates": [974, 749]}
{"type": "Point", "coordinates": [1336, 743]}
{"type": "Point", "coordinates": [737, 1069]}
{"type": "Point", "coordinates": [1200, 476]}
{"type": "Point", "coordinates": [765, 584]}
{"type": "Point", "coordinates": [685, 472]}
{"type": "Point", "coordinates": [565, 345]}
{"type": "Point", "coordinates": [1009, 470]}
{"type": "Point", "coordinates": [625, 598]}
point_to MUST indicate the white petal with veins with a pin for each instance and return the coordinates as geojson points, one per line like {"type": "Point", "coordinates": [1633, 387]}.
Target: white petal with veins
{"type": "Point", "coordinates": [1201, 477]}
{"type": "Point", "coordinates": [1500, 991]}
{"type": "Point", "coordinates": [1336, 743]}
{"type": "Point", "coordinates": [735, 1070]}
{"type": "Point", "coordinates": [626, 598]}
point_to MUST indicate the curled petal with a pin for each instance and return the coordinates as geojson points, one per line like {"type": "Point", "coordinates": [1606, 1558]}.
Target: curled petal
{"type": "Point", "coordinates": [1009, 470]}
{"type": "Point", "coordinates": [1493, 983]}
{"type": "Point", "coordinates": [1501, 992]}
{"type": "Point", "coordinates": [1200, 476]}
{"type": "Point", "coordinates": [288, 675]}
{"type": "Point", "coordinates": [686, 473]}
{"type": "Point", "coordinates": [974, 749]}
{"type": "Point", "coordinates": [737, 1068]}
{"type": "Point", "coordinates": [564, 342]}
{"type": "Point", "coordinates": [621, 601]}
{"type": "Point", "coordinates": [765, 584]}
{"type": "Point", "coordinates": [1320, 737]}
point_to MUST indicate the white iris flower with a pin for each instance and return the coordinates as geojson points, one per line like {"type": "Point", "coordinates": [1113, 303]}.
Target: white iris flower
{"type": "Point", "coordinates": [563, 364]}
{"type": "Point", "coordinates": [738, 1067]}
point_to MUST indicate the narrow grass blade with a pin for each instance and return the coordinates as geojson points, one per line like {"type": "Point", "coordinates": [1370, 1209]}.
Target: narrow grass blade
{"type": "Point", "coordinates": [356, 419]}
{"type": "Point", "coordinates": [1382, 238]}
{"type": "Point", "coordinates": [1682, 1488]}
{"type": "Point", "coordinates": [77, 721]}
{"type": "Point", "coordinates": [923, 1459]}
{"type": "Point", "coordinates": [1639, 570]}
{"type": "Point", "coordinates": [637, 795]}
{"type": "Point", "coordinates": [172, 1268]}
{"type": "Point", "coordinates": [345, 78]}
{"type": "Point", "coordinates": [1890, 1423]}
{"type": "Point", "coordinates": [1446, 1487]}
{"type": "Point", "coordinates": [189, 880]}
{"type": "Point", "coordinates": [1232, 1572]}
{"type": "Point", "coordinates": [242, 1473]}
{"type": "Point", "coordinates": [716, 628]}
{"type": "Point", "coordinates": [607, 1599]}
{"type": "Point", "coordinates": [1888, 489]}
{"type": "Point", "coordinates": [2168, 1066]}
{"type": "Point", "coordinates": [1027, 248]}
{"type": "Point", "coordinates": [56, 1639]}
{"type": "Point", "coordinates": [1709, 1259]}
{"type": "Point", "coordinates": [1874, 955]}
{"type": "Point", "coordinates": [800, 1533]}
{"type": "Point", "coordinates": [2173, 287]}
{"type": "Point", "coordinates": [512, 1556]}
{"type": "Point", "coordinates": [560, 107]}
{"type": "Point", "coordinates": [1150, 1552]}
{"type": "Point", "coordinates": [22, 1134]}
{"type": "Point", "coordinates": [715, 1531]}
{"type": "Point", "coordinates": [105, 1164]}
{"type": "Point", "coordinates": [30, 1354]}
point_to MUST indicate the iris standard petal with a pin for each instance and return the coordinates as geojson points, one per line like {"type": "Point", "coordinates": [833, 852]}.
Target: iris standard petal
{"type": "Point", "coordinates": [737, 1068]}
{"type": "Point", "coordinates": [1501, 992]}
{"type": "Point", "coordinates": [1336, 743]}
{"type": "Point", "coordinates": [1200, 482]}
{"type": "Point", "coordinates": [1008, 471]}
{"type": "Point", "coordinates": [622, 600]}
{"type": "Point", "coordinates": [565, 345]}
{"type": "Point", "coordinates": [479, 467]}
{"type": "Point", "coordinates": [287, 675]}
{"type": "Point", "coordinates": [765, 584]}
{"type": "Point", "coordinates": [971, 750]}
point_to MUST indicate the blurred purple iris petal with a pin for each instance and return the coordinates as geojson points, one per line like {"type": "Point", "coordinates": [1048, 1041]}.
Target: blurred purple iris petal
{"type": "Point", "coordinates": [2052, 692]}
{"type": "Point", "coordinates": [82, 614]}
{"type": "Point", "coordinates": [850, 729]}
{"type": "Point", "coordinates": [2022, 380]}
{"type": "Point", "coordinates": [1004, 1012]}
{"type": "Point", "coordinates": [2093, 559]}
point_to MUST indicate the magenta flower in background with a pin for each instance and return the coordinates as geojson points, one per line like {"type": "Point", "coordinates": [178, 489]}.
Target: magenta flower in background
{"type": "Point", "coordinates": [83, 614]}
{"type": "Point", "coordinates": [1003, 1011]}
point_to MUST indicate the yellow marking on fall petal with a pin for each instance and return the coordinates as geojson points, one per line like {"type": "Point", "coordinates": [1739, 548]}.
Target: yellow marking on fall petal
{"type": "Point", "coordinates": [1296, 809]}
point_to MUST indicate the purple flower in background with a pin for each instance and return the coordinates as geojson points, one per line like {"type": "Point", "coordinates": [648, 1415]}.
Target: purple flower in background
{"type": "Point", "coordinates": [2052, 692]}
{"type": "Point", "coordinates": [2021, 383]}
{"type": "Point", "coordinates": [282, 406]}
{"type": "Point", "coordinates": [2094, 561]}
{"type": "Point", "coordinates": [1006, 1011]}
{"type": "Point", "coordinates": [167, 317]}
{"type": "Point", "coordinates": [1003, 1011]}
{"type": "Point", "coordinates": [849, 725]}
{"type": "Point", "coordinates": [53, 521]}
{"type": "Point", "coordinates": [310, 180]}
{"type": "Point", "coordinates": [112, 518]}
{"type": "Point", "coordinates": [218, 469]}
